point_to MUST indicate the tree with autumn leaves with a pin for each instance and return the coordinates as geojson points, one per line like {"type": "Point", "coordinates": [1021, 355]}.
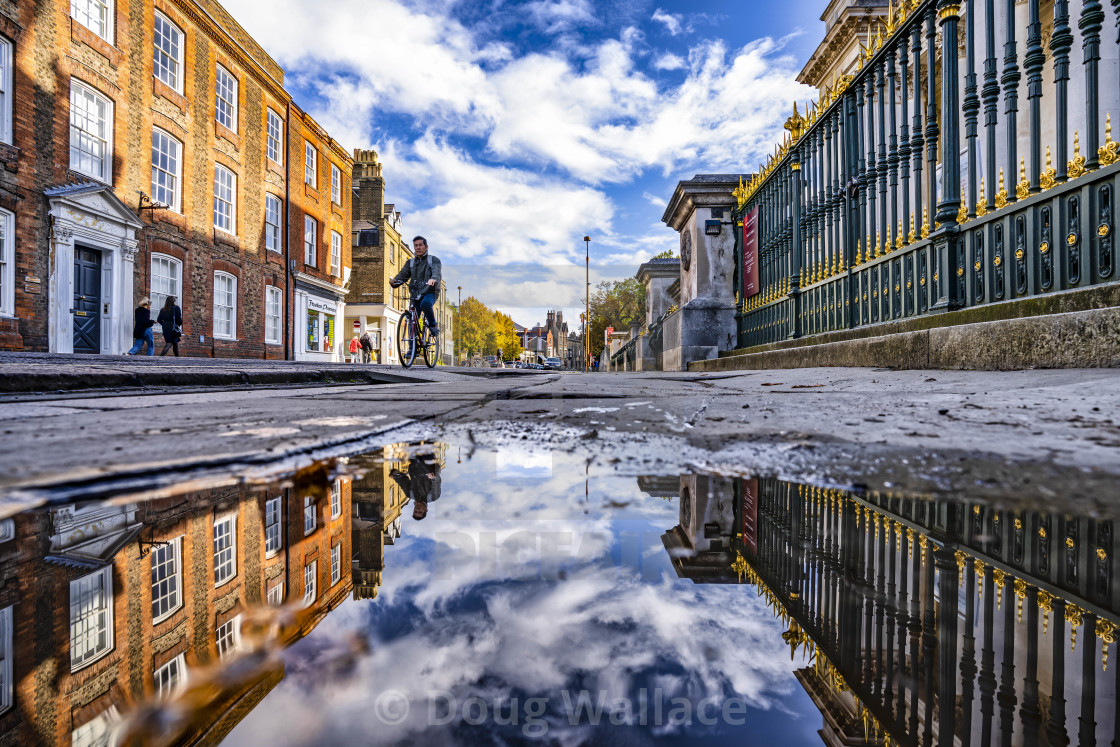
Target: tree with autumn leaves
{"type": "Point", "coordinates": [482, 330]}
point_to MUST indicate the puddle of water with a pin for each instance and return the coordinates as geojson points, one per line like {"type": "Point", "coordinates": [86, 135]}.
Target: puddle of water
{"type": "Point", "coordinates": [438, 594]}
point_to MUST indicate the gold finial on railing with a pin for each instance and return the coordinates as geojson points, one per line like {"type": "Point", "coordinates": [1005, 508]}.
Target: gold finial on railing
{"type": "Point", "coordinates": [910, 237]}
{"type": "Point", "coordinates": [1073, 617]}
{"type": "Point", "coordinates": [859, 259]}
{"type": "Point", "coordinates": [1023, 188]}
{"type": "Point", "coordinates": [795, 125]}
{"type": "Point", "coordinates": [1049, 177]}
{"type": "Point", "coordinates": [835, 265]}
{"type": "Point", "coordinates": [1020, 587]}
{"type": "Point", "coordinates": [1045, 601]}
{"type": "Point", "coordinates": [1076, 166]}
{"type": "Point", "coordinates": [982, 203]}
{"type": "Point", "coordinates": [925, 222]}
{"type": "Point", "coordinates": [1001, 194]}
{"type": "Point", "coordinates": [962, 214]}
{"type": "Point", "coordinates": [740, 194]}
{"type": "Point", "coordinates": [1106, 631]}
{"type": "Point", "coordinates": [1110, 151]}
{"type": "Point", "coordinates": [978, 566]}
{"type": "Point", "coordinates": [999, 578]}
{"type": "Point", "coordinates": [899, 239]}
{"type": "Point", "coordinates": [878, 244]}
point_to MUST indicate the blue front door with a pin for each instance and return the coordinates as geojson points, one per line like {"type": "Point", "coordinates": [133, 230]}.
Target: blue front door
{"type": "Point", "coordinates": [87, 301]}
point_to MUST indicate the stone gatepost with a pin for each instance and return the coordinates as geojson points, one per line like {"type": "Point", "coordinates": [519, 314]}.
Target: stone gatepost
{"type": "Point", "coordinates": [705, 323]}
{"type": "Point", "coordinates": [657, 275]}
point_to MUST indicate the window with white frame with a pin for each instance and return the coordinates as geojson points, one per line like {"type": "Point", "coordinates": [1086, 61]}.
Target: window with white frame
{"type": "Point", "coordinates": [310, 164]}
{"type": "Point", "coordinates": [167, 567]}
{"type": "Point", "coordinates": [5, 90]}
{"type": "Point", "coordinates": [225, 549]}
{"type": "Point", "coordinates": [275, 595]}
{"type": "Point", "coordinates": [167, 279]}
{"type": "Point", "coordinates": [272, 315]}
{"type": "Point", "coordinates": [336, 254]}
{"type": "Point", "coordinates": [168, 52]}
{"type": "Point", "coordinates": [171, 677]}
{"type": "Point", "coordinates": [225, 204]}
{"type": "Point", "coordinates": [225, 306]}
{"type": "Point", "coordinates": [91, 617]}
{"type": "Point", "coordinates": [336, 564]}
{"type": "Point", "coordinates": [272, 222]}
{"type": "Point", "coordinates": [274, 138]}
{"type": "Point", "coordinates": [310, 240]}
{"type": "Point", "coordinates": [98, 731]}
{"type": "Point", "coordinates": [91, 132]}
{"type": "Point", "coordinates": [225, 101]}
{"type": "Point", "coordinates": [228, 637]}
{"type": "Point", "coordinates": [167, 168]}
{"type": "Point", "coordinates": [273, 537]}
{"type": "Point", "coordinates": [336, 185]}
{"type": "Point", "coordinates": [310, 517]}
{"type": "Point", "coordinates": [6, 689]}
{"type": "Point", "coordinates": [7, 264]}
{"type": "Point", "coordinates": [310, 587]}
{"type": "Point", "coordinates": [336, 499]}
{"type": "Point", "coordinates": [7, 530]}
{"type": "Point", "coordinates": [95, 15]}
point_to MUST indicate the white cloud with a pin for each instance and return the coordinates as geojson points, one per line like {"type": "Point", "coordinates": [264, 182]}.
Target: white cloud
{"type": "Point", "coordinates": [556, 16]}
{"type": "Point", "coordinates": [672, 21]}
{"type": "Point", "coordinates": [670, 61]}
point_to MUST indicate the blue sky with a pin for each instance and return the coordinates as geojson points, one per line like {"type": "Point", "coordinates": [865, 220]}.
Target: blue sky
{"type": "Point", "coordinates": [509, 129]}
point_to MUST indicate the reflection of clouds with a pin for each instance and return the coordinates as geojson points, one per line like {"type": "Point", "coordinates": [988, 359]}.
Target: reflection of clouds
{"type": "Point", "coordinates": [477, 604]}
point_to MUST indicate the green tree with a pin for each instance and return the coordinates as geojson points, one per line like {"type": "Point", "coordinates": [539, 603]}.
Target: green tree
{"type": "Point", "coordinates": [476, 323]}
{"type": "Point", "coordinates": [667, 254]}
{"type": "Point", "coordinates": [505, 337]}
{"type": "Point", "coordinates": [615, 304]}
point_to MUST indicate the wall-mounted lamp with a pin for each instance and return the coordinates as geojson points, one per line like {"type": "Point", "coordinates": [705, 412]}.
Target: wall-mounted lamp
{"type": "Point", "coordinates": [712, 227]}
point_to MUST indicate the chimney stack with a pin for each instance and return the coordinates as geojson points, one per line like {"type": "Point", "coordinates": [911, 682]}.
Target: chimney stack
{"type": "Point", "coordinates": [367, 180]}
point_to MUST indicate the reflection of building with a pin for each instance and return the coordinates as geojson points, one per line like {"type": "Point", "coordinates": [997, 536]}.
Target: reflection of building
{"type": "Point", "coordinates": [909, 604]}
{"type": "Point", "coordinates": [700, 544]}
{"type": "Point", "coordinates": [104, 607]}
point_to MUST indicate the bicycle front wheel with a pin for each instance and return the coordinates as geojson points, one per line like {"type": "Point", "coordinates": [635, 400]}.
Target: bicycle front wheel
{"type": "Point", "coordinates": [429, 347]}
{"type": "Point", "coordinates": [405, 339]}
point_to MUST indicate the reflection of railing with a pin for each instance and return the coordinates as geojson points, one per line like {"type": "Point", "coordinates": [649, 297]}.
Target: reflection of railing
{"type": "Point", "coordinates": [910, 604]}
{"type": "Point", "coordinates": [864, 220]}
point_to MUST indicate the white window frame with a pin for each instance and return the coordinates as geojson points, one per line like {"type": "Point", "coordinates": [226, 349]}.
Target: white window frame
{"type": "Point", "coordinates": [174, 71]}
{"type": "Point", "coordinates": [7, 263]}
{"type": "Point", "coordinates": [273, 311]}
{"type": "Point", "coordinates": [224, 79]}
{"type": "Point", "coordinates": [7, 530]}
{"type": "Point", "coordinates": [225, 570]}
{"type": "Point", "coordinates": [175, 586]}
{"type": "Point", "coordinates": [336, 499]}
{"type": "Point", "coordinates": [310, 241]}
{"type": "Point", "coordinates": [225, 199]}
{"type": "Point", "coordinates": [6, 91]}
{"type": "Point", "coordinates": [167, 683]}
{"type": "Point", "coordinates": [310, 516]}
{"type": "Point", "coordinates": [105, 174]}
{"type": "Point", "coordinates": [232, 333]}
{"type": "Point", "coordinates": [310, 165]}
{"type": "Point", "coordinates": [77, 12]}
{"type": "Point", "coordinates": [227, 637]}
{"type": "Point", "coordinates": [336, 564]}
{"type": "Point", "coordinates": [311, 582]}
{"type": "Point", "coordinates": [7, 689]}
{"type": "Point", "coordinates": [105, 577]}
{"type": "Point", "coordinates": [273, 526]}
{"type": "Point", "coordinates": [161, 166]}
{"type": "Point", "coordinates": [336, 254]}
{"type": "Point", "coordinates": [275, 595]}
{"type": "Point", "coordinates": [336, 185]}
{"type": "Point", "coordinates": [158, 296]}
{"type": "Point", "coordinates": [272, 240]}
{"type": "Point", "coordinates": [274, 142]}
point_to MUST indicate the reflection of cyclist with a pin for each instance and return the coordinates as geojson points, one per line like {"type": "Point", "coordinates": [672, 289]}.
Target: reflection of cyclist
{"type": "Point", "coordinates": [423, 273]}
{"type": "Point", "coordinates": [422, 483]}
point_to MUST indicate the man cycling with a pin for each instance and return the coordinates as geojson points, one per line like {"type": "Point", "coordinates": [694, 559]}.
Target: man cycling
{"type": "Point", "coordinates": [423, 273]}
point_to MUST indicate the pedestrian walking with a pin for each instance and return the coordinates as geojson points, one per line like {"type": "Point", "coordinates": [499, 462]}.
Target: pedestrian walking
{"type": "Point", "coordinates": [171, 321]}
{"type": "Point", "coordinates": [355, 346]}
{"type": "Point", "coordinates": [142, 329]}
{"type": "Point", "coordinates": [501, 359]}
{"type": "Point", "coordinates": [366, 341]}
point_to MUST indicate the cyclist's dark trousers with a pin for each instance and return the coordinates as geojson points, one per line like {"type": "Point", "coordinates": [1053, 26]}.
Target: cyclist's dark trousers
{"type": "Point", "coordinates": [426, 305]}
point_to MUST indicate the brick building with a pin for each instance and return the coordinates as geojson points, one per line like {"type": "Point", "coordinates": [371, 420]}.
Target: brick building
{"type": "Point", "coordinates": [380, 251]}
{"type": "Point", "coordinates": [143, 152]}
{"type": "Point", "coordinates": [106, 607]}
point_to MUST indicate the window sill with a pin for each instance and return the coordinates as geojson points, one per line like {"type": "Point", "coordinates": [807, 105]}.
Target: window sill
{"type": "Point", "coordinates": [219, 338]}
{"type": "Point", "coordinates": [227, 134]}
{"type": "Point", "coordinates": [80, 33]}
{"type": "Point", "coordinates": [226, 582]}
{"type": "Point", "coordinates": [276, 168]}
{"type": "Point", "coordinates": [223, 236]}
{"type": "Point", "coordinates": [92, 661]}
{"type": "Point", "coordinates": [310, 190]}
{"type": "Point", "coordinates": [162, 89]}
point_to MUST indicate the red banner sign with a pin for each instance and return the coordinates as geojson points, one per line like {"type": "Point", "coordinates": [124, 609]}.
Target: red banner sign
{"type": "Point", "coordinates": [750, 254]}
{"type": "Point", "coordinates": [748, 492]}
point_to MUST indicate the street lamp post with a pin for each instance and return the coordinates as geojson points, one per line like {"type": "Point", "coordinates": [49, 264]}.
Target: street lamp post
{"type": "Point", "coordinates": [459, 331]}
{"type": "Point", "coordinates": [587, 307]}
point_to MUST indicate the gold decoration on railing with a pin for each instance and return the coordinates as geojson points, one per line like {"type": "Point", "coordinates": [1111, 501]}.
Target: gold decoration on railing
{"type": "Point", "coordinates": [1020, 587]}
{"type": "Point", "coordinates": [878, 244]}
{"type": "Point", "coordinates": [1106, 631]}
{"type": "Point", "coordinates": [1045, 601]}
{"type": "Point", "coordinates": [898, 242]}
{"type": "Point", "coordinates": [1073, 617]}
{"type": "Point", "coordinates": [962, 214]}
{"type": "Point", "coordinates": [859, 259]}
{"type": "Point", "coordinates": [909, 536]}
{"type": "Point", "coordinates": [1023, 188]}
{"type": "Point", "coordinates": [1048, 178]}
{"type": "Point", "coordinates": [925, 222]}
{"type": "Point", "coordinates": [911, 236]}
{"type": "Point", "coordinates": [982, 203]}
{"type": "Point", "coordinates": [1110, 151]}
{"type": "Point", "coordinates": [962, 561]}
{"type": "Point", "coordinates": [922, 542]}
{"type": "Point", "coordinates": [1001, 194]}
{"type": "Point", "coordinates": [999, 578]}
{"type": "Point", "coordinates": [1076, 165]}
{"type": "Point", "coordinates": [740, 194]}
{"type": "Point", "coordinates": [897, 536]}
{"type": "Point", "coordinates": [795, 125]}
{"type": "Point", "coordinates": [739, 566]}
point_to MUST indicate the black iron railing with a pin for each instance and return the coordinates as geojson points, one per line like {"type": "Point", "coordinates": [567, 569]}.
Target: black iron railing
{"type": "Point", "coordinates": [862, 219]}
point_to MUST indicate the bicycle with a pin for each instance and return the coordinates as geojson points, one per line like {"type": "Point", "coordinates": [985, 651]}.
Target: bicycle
{"type": "Point", "coordinates": [413, 328]}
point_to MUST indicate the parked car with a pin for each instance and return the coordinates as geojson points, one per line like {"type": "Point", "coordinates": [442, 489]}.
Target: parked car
{"type": "Point", "coordinates": [553, 364]}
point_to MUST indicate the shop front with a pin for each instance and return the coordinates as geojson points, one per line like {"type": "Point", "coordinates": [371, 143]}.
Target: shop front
{"type": "Point", "coordinates": [381, 323]}
{"type": "Point", "coordinates": [318, 326]}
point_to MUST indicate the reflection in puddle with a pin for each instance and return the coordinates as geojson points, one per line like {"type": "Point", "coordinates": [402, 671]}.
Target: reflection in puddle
{"type": "Point", "coordinates": [427, 594]}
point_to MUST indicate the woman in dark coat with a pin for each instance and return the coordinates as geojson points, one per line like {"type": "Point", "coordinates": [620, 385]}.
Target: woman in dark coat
{"type": "Point", "coordinates": [171, 320]}
{"type": "Point", "coordinates": [142, 329]}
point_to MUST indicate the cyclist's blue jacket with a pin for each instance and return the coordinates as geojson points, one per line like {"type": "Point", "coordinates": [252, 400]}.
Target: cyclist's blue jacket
{"type": "Point", "coordinates": [418, 272]}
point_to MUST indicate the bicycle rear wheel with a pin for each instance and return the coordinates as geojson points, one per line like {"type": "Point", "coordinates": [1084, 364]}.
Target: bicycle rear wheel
{"type": "Point", "coordinates": [405, 339]}
{"type": "Point", "coordinates": [429, 347]}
